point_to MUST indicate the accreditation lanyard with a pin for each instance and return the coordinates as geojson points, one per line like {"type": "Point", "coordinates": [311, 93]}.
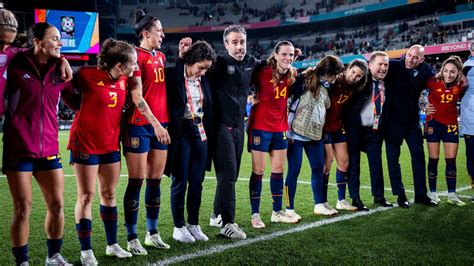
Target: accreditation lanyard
{"type": "Point", "coordinates": [374, 109]}
{"type": "Point", "coordinates": [202, 132]}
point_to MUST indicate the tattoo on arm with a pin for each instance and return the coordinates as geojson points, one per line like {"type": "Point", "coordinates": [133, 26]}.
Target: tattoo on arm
{"type": "Point", "coordinates": [146, 112]}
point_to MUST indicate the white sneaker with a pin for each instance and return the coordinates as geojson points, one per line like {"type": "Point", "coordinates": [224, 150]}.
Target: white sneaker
{"type": "Point", "coordinates": [88, 258]}
{"type": "Point", "coordinates": [329, 207]}
{"type": "Point", "coordinates": [56, 259]}
{"type": "Point", "coordinates": [257, 221]}
{"type": "Point", "coordinates": [293, 214]}
{"type": "Point", "coordinates": [453, 199]}
{"type": "Point", "coordinates": [320, 209]}
{"type": "Point", "coordinates": [233, 231]}
{"type": "Point", "coordinates": [215, 221]}
{"type": "Point", "coordinates": [282, 217]}
{"type": "Point", "coordinates": [117, 251]}
{"type": "Point", "coordinates": [197, 233]}
{"type": "Point", "coordinates": [434, 197]}
{"type": "Point", "coordinates": [135, 247]}
{"type": "Point", "coordinates": [344, 205]}
{"type": "Point", "coordinates": [183, 235]}
{"type": "Point", "coordinates": [155, 241]}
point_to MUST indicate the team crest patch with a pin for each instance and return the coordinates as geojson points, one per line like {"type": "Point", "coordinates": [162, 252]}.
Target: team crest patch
{"type": "Point", "coordinates": [135, 142]}
{"type": "Point", "coordinates": [84, 156]}
{"type": "Point", "coordinates": [231, 70]}
{"type": "Point", "coordinates": [455, 91]}
{"type": "Point", "coordinates": [256, 140]}
{"type": "Point", "coordinates": [429, 130]}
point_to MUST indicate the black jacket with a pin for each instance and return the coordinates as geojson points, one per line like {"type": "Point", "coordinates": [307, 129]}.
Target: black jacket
{"type": "Point", "coordinates": [403, 91]}
{"type": "Point", "coordinates": [176, 97]}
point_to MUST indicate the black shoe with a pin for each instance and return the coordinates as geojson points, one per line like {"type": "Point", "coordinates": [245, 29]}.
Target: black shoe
{"type": "Point", "coordinates": [359, 205]}
{"type": "Point", "coordinates": [425, 200]}
{"type": "Point", "coordinates": [382, 202]}
{"type": "Point", "coordinates": [403, 202]}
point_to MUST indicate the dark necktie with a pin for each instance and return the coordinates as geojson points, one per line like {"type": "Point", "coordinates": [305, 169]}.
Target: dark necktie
{"type": "Point", "coordinates": [377, 98]}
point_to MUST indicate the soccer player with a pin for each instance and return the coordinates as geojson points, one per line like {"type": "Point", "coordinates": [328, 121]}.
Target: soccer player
{"type": "Point", "coordinates": [30, 140]}
{"type": "Point", "coordinates": [334, 138]}
{"type": "Point", "coordinates": [94, 142]}
{"type": "Point", "coordinates": [191, 132]}
{"type": "Point", "coordinates": [467, 115]}
{"type": "Point", "coordinates": [268, 124]}
{"type": "Point", "coordinates": [306, 121]}
{"type": "Point", "coordinates": [145, 138]}
{"type": "Point", "coordinates": [442, 125]}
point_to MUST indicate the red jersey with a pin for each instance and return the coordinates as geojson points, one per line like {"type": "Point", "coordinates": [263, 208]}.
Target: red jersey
{"type": "Point", "coordinates": [270, 113]}
{"type": "Point", "coordinates": [444, 100]}
{"type": "Point", "coordinates": [339, 96]}
{"type": "Point", "coordinates": [152, 72]}
{"type": "Point", "coordinates": [96, 126]}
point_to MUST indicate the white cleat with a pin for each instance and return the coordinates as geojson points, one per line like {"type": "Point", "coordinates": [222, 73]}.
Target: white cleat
{"type": "Point", "coordinates": [344, 205]}
{"type": "Point", "coordinates": [135, 247]}
{"type": "Point", "coordinates": [197, 233]}
{"type": "Point", "coordinates": [257, 222]}
{"type": "Point", "coordinates": [293, 214]}
{"type": "Point", "coordinates": [155, 241]}
{"type": "Point", "coordinates": [233, 231]}
{"type": "Point", "coordinates": [282, 217]}
{"type": "Point", "coordinates": [434, 197]}
{"type": "Point", "coordinates": [329, 207]}
{"type": "Point", "coordinates": [453, 199]}
{"type": "Point", "coordinates": [320, 209]}
{"type": "Point", "coordinates": [183, 235]}
{"type": "Point", "coordinates": [57, 259]}
{"type": "Point", "coordinates": [117, 251]}
{"type": "Point", "coordinates": [88, 258]}
{"type": "Point", "coordinates": [216, 221]}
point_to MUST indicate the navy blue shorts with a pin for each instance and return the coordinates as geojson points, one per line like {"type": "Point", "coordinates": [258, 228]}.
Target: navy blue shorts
{"type": "Point", "coordinates": [265, 141]}
{"type": "Point", "coordinates": [94, 159]}
{"type": "Point", "coordinates": [437, 132]}
{"type": "Point", "coordinates": [334, 137]}
{"type": "Point", "coordinates": [141, 139]}
{"type": "Point", "coordinates": [32, 164]}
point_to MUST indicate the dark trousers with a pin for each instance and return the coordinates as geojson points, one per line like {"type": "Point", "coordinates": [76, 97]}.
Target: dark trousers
{"type": "Point", "coordinates": [229, 148]}
{"type": "Point", "coordinates": [469, 140]}
{"type": "Point", "coordinates": [189, 168]}
{"type": "Point", "coordinates": [414, 140]}
{"type": "Point", "coordinates": [369, 141]}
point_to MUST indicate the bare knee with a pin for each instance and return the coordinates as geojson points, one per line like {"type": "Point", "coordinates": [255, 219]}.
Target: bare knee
{"type": "Point", "coordinates": [22, 209]}
{"type": "Point", "coordinates": [85, 199]}
{"type": "Point", "coordinates": [56, 207]}
{"type": "Point", "coordinates": [107, 195]}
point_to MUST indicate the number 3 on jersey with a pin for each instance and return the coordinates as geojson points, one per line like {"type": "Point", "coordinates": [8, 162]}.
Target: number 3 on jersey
{"type": "Point", "coordinates": [279, 93]}
{"type": "Point", "coordinates": [113, 98]}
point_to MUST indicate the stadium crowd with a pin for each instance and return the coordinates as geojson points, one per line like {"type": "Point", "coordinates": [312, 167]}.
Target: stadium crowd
{"type": "Point", "coordinates": [182, 124]}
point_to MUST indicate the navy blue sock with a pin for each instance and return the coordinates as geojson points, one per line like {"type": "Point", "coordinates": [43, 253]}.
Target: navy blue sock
{"type": "Point", "coordinates": [152, 203]}
{"type": "Point", "coordinates": [84, 230]}
{"type": "Point", "coordinates": [255, 189]}
{"type": "Point", "coordinates": [451, 174]}
{"type": "Point", "coordinates": [325, 187]}
{"type": "Point", "coordinates": [109, 218]}
{"type": "Point", "coordinates": [20, 254]}
{"type": "Point", "coordinates": [54, 246]}
{"type": "Point", "coordinates": [276, 187]}
{"type": "Point", "coordinates": [341, 180]}
{"type": "Point", "coordinates": [432, 173]}
{"type": "Point", "coordinates": [131, 205]}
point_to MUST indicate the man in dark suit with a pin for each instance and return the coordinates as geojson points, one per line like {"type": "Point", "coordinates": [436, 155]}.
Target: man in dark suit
{"type": "Point", "coordinates": [363, 121]}
{"type": "Point", "coordinates": [405, 81]}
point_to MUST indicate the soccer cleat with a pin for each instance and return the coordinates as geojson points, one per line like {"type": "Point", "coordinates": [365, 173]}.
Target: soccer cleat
{"type": "Point", "coordinates": [329, 207]}
{"type": "Point", "coordinates": [155, 241]}
{"type": "Point", "coordinates": [197, 233]}
{"type": "Point", "coordinates": [257, 221]}
{"type": "Point", "coordinates": [434, 197]}
{"type": "Point", "coordinates": [135, 247]}
{"type": "Point", "coordinates": [88, 258]}
{"type": "Point", "coordinates": [320, 209]}
{"type": "Point", "coordinates": [233, 231]}
{"type": "Point", "coordinates": [215, 221]}
{"type": "Point", "coordinates": [282, 217]}
{"type": "Point", "coordinates": [344, 205]}
{"type": "Point", "coordinates": [453, 199]}
{"type": "Point", "coordinates": [116, 251]}
{"type": "Point", "coordinates": [182, 235]}
{"type": "Point", "coordinates": [293, 214]}
{"type": "Point", "coordinates": [56, 259]}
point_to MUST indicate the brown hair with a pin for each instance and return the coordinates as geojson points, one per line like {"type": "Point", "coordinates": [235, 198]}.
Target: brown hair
{"type": "Point", "coordinates": [113, 52]}
{"type": "Point", "coordinates": [292, 73]}
{"type": "Point", "coordinates": [329, 65]}
{"type": "Point", "coordinates": [457, 62]}
{"type": "Point", "coordinates": [358, 86]}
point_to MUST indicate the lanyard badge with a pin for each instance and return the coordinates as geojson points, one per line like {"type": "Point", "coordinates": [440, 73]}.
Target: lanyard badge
{"type": "Point", "coordinates": [200, 125]}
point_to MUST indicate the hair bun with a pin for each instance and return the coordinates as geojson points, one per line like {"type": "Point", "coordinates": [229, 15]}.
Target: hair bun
{"type": "Point", "coordinates": [139, 14]}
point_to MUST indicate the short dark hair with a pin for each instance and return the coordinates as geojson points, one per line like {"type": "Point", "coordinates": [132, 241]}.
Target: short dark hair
{"type": "Point", "coordinates": [113, 52]}
{"type": "Point", "coordinates": [234, 28]}
{"type": "Point", "coordinates": [199, 51]}
{"type": "Point", "coordinates": [37, 31]}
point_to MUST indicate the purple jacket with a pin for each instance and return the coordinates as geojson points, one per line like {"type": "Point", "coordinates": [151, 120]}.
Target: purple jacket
{"type": "Point", "coordinates": [31, 125]}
